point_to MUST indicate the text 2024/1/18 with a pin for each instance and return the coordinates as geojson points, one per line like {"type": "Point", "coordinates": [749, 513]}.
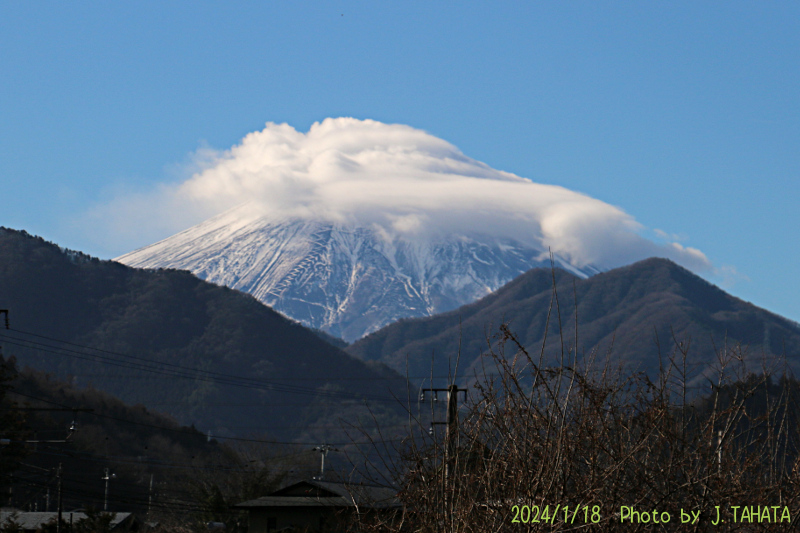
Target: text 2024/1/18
{"type": "Point", "coordinates": [591, 514]}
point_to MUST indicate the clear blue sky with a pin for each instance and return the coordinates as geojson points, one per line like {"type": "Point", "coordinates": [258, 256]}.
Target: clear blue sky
{"type": "Point", "coordinates": [684, 114]}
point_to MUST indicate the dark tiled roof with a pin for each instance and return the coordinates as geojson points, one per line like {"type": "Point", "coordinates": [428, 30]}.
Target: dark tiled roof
{"type": "Point", "coordinates": [33, 521]}
{"type": "Point", "coordinates": [314, 493]}
{"type": "Point", "coordinates": [293, 501]}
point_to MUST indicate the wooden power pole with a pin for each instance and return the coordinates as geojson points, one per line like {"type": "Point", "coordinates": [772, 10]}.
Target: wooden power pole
{"type": "Point", "coordinates": [451, 421]}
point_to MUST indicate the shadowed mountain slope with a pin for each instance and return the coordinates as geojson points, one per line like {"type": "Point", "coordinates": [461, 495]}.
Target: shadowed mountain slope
{"type": "Point", "coordinates": [207, 355]}
{"type": "Point", "coordinates": [104, 433]}
{"type": "Point", "coordinates": [634, 313]}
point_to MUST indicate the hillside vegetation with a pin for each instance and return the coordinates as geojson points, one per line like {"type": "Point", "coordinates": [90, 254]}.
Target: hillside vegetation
{"type": "Point", "coordinates": [205, 354]}
{"type": "Point", "coordinates": [163, 471]}
{"type": "Point", "coordinates": [568, 448]}
{"type": "Point", "coordinates": [635, 314]}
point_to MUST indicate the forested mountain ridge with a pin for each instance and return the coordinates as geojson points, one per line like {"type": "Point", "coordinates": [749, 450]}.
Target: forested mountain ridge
{"type": "Point", "coordinates": [205, 354]}
{"type": "Point", "coordinates": [634, 313]}
{"type": "Point", "coordinates": [85, 431]}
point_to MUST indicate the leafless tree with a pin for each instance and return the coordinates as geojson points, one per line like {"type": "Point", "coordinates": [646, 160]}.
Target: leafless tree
{"type": "Point", "coordinates": [581, 445]}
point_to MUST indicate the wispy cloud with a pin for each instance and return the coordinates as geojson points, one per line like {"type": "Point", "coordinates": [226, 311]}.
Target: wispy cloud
{"type": "Point", "coordinates": [673, 237]}
{"type": "Point", "coordinates": [405, 181]}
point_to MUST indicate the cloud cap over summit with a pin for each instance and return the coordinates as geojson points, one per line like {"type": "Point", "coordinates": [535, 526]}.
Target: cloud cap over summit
{"type": "Point", "coordinates": [406, 183]}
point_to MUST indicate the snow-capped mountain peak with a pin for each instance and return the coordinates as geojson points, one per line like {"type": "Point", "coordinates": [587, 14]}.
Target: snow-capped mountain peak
{"type": "Point", "coordinates": [345, 279]}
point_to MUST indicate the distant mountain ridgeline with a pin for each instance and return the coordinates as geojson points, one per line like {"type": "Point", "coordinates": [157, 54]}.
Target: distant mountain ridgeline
{"type": "Point", "coordinates": [218, 358]}
{"type": "Point", "coordinates": [635, 314]}
{"type": "Point", "coordinates": [205, 354]}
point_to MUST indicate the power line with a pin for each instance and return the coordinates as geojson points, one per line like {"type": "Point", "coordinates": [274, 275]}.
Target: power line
{"type": "Point", "coordinates": [194, 432]}
{"type": "Point", "coordinates": [146, 360]}
{"type": "Point", "coordinates": [191, 373]}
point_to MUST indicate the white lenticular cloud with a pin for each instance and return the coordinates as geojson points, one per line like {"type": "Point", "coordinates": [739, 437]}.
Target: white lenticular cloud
{"type": "Point", "coordinates": [410, 185]}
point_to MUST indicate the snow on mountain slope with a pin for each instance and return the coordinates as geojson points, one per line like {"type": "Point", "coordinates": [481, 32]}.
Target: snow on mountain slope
{"type": "Point", "coordinates": [346, 280]}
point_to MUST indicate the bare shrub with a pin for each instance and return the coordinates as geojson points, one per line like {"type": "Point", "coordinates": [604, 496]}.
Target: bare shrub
{"type": "Point", "coordinates": [575, 446]}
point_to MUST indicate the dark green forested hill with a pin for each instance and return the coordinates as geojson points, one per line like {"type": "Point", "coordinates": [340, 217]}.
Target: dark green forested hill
{"type": "Point", "coordinates": [102, 433]}
{"type": "Point", "coordinates": [627, 312]}
{"type": "Point", "coordinates": [153, 462]}
{"type": "Point", "coordinates": [205, 354]}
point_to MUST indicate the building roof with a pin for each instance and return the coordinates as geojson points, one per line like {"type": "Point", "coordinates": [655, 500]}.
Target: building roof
{"type": "Point", "coordinates": [33, 521]}
{"type": "Point", "coordinates": [313, 493]}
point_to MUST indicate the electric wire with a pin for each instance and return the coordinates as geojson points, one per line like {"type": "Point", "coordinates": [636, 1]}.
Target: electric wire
{"type": "Point", "coordinates": [196, 433]}
{"type": "Point", "coordinates": [193, 374]}
{"type": "Point", "coordinates": [165, 363]}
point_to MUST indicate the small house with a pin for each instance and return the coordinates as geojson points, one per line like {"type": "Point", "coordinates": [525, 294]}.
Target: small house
{"type": "Point", "coordinates": [322, 506]}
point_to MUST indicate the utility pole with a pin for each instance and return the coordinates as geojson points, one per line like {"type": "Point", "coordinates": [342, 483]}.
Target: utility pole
{"type": "Point", "coordinates": [4, 312]}
{"type": "Point", "coordinates": [323, 450]}
{"type": "Point", "coordinates": [60, 505]}
{"type": "Point", "coordinates": [451, 422]}
{"type": "Point", "coordinates": [451, 436]}
{"type": "Point", "coordinates": [106, 478]}
{"type": "Point", "coordinates": [150, 497]}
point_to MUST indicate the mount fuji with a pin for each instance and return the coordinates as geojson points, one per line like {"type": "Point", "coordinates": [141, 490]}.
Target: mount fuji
{"type": "Point", "coordinates": [347, 280]}
{"type": "Point", "coordinates": [356, 224]}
